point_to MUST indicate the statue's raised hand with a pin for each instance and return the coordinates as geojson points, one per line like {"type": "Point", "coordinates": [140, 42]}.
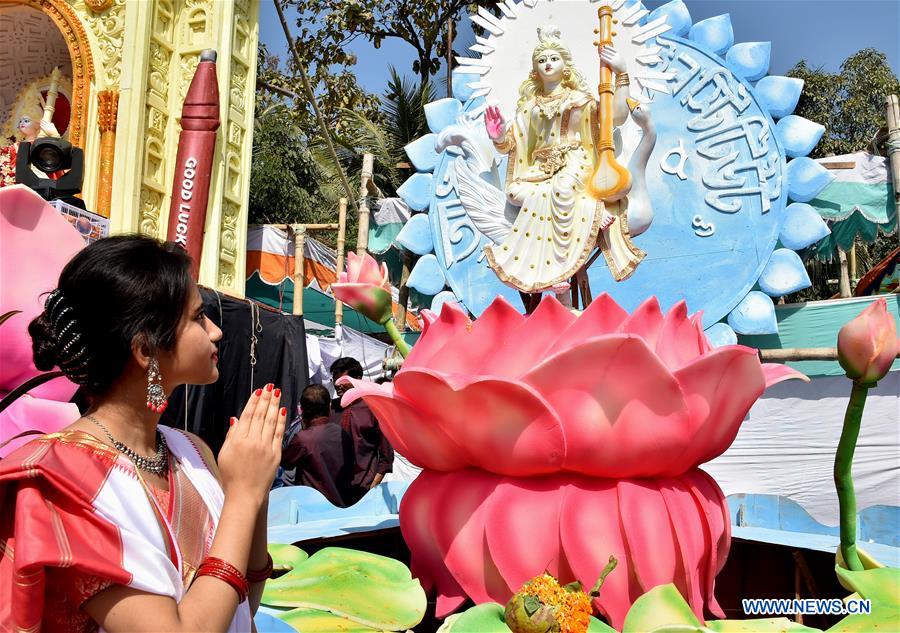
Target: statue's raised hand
{"type": "Point", "coordinates": [612, 58]}
{"type": "Point", "coordinates": [494, 123]}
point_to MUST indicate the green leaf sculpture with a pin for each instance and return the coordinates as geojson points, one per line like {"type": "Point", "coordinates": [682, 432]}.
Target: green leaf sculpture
{"type": "Point", "coordinates": [757, 626]}
{"type": "Point", "coordinates": [484, 618]}
{"type": "Point", "coordinates": [286, 557]}
{"type": "Point", "coordinates": [339, 589]}
{"type": "Point", "coordinates": [318, 621]}
{"type": "Point", "coordinates": [664, 610]}
{"type": "Point", "coordinates": [662, 606]}
{"type": "Point", "coordinates": [881, 585]}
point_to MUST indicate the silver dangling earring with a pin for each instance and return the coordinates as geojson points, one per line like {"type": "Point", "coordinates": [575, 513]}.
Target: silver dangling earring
{"type": "Point", "coordinates": [156, 397]}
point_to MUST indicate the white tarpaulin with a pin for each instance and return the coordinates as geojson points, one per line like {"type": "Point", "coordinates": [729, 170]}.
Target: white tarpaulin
{"type": "Point", "coordinates": [787, 445]}
{"type": "Point", "coordinates": [322, 351]}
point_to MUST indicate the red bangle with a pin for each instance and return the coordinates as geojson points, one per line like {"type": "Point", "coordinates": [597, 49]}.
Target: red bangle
{"type": "Point", "coordinates": [226, 572]}
{"type": "Point", "coordinates": [259, 575]}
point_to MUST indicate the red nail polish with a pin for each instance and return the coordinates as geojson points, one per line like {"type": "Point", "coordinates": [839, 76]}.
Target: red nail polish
{"type": "Point", "coordinates": [258, 392]}
{"type": "Point", "coordinates": [278, 393]}
{"type": "Point", "coordinates": [269, 387]}
{"type": "Point", "coordinates": [231, 421]}
{"type": "Point", "coordinates": [283, 411]}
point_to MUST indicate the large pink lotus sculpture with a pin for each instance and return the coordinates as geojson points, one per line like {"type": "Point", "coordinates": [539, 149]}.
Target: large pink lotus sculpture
{"type": "Point", "coordinates": [551, 442]}
{"type": "Point", "coordinates": [36, 242]}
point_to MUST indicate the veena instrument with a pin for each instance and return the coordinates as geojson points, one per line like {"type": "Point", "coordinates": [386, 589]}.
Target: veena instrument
{"type": "Point", "coordinates": [611, 181]}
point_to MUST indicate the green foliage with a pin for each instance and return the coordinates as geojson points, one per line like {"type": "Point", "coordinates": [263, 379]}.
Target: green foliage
{"type": "Point", "coordinates": [327, 27]}
{"type": "Point", "coordinates": [850, 103]}
{"type": "Point", "coordinates": [284, 177]}
{"type": "Point", "coordinates": [401, 120]}
{"type": "Point", "coordinates": [294, 177]}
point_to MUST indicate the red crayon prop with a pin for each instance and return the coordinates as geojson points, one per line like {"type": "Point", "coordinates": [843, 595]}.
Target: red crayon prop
{"type": "Point", "coordinates": [193, 167]}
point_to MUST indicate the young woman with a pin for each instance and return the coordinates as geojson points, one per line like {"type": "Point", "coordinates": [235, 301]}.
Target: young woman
{"type": "Point", "coordinates": [115, 522]}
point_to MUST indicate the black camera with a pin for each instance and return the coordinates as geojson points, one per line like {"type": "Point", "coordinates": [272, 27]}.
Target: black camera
{"type": "Point", "coordinates": [52, 155]}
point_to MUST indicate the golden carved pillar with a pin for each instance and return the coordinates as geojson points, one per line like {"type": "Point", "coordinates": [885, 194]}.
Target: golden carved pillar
{"type": "Point", "coordinates": [107, 117]}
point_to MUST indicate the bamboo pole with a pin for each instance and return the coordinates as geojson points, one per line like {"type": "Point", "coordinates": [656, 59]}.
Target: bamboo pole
{"type": "Point", "coordinates": [339, 266]}
{"type": "Point", "coordinates": [310, 95]}
{"type": "Point", "coordinates": [845, 274]}
{"type": "Point", "coordinates": [792, 354]}
{"type": "Point", "coordinates": [449, 56]}
{"type": "Point", "coordinates": [362, 237]}
{"type": "Point", "coordinates": [403, 293]}
{"type": "Point", "coordinates": [299, 231]}
{"type": "Point", "coordinates": [892, 106]}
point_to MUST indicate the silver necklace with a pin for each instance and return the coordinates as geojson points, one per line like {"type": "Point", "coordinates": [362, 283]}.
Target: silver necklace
{"type": "Point", "coordinates": [155, 465]}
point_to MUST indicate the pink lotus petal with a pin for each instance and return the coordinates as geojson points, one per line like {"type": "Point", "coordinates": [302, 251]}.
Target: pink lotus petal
{"type": "Point", "coordinates": [679, 342]}
{"type": "Point", "coordinates": [858, 338]}
{"type": "Point", "coordinates": [493, 417]}
{"type": "Point", "coordinates": [715, 512]}
{"type": "Point", "coordinates": [451, 324]}
{"type": "Point", "coordinates": [354, 266]}
{"type": "Point", "coordinates": [646, 321]}
{"type": "Point", "coordinates": [691, 534]}
{"type": "Point", "coordinates": [719, 388]}
{"type": "Point", "coordinates": [612, 394]}
{"type": "Point", "coordinates": [466, 352]}
{"type": "Point", "coordinates": [702, 341]}
{"type": "Point", "coordinates": [408, 429]}
{"type": "Point", "coordinates": [602, 316]}
{"type": "Point", "coordinates": [37, 242]}
{"type": "Point", "coordinates": [459, 529]}
{"type": "Point", "coordinates": [428, 317]}
{"type": "Point", "coordinates": [33, 414]}
{"type": "Point", "coordinates": [527, 344]}
{"type": "Point", "coordinates": [362, 297]}
{"type": "Point", "coordinates": [417, 516]}
{"type": "Point", "coordinates": [522, 527]}
{"type": "Point", "coordinates": [775, 373]}
{"type": "Point", "coordinates": [648, 533]}
{"type": "Point", "coordinates": [590, 533]}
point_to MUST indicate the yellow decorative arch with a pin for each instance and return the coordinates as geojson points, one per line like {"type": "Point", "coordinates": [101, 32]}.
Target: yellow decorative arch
{"type": "Point", "coordinates": [82, 62]}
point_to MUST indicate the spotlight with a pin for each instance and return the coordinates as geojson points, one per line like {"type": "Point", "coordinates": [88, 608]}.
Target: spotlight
{"type": "Point", "coordinates": [52, 155]}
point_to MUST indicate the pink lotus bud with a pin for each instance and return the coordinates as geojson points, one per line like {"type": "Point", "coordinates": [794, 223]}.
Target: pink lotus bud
{"type": "Point", "coordinates": [867, 345]}
{"type": "Point", "coordinates": [365, 287]}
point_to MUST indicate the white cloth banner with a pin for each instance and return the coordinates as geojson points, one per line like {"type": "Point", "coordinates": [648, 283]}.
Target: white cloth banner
{"type": "Point", "coordinates": [787, 445]}
{"type": "Point", "coordinates": [322, 351]}
{"type": "Point", "coordinates": [391, 211]}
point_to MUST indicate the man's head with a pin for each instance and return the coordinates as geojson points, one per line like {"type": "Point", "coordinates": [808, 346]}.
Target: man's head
{"type": "Point", "coordinates": [315, 402]}
{"type": "Point", "coordinates": [345, 366]}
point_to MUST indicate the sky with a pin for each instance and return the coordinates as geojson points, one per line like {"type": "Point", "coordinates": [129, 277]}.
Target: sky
{"type": "Point", "coordinates": [823, 32]}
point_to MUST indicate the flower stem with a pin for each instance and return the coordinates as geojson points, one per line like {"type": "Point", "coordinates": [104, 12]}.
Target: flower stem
{"type": "Point", "coordinates": [843, 480]}
{"type": "Point", "coordinates": [394, 333]}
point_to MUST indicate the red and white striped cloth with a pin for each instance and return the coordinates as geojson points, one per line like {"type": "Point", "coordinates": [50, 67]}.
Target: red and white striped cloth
{"type": "Point", "coordinates": [71, 502]}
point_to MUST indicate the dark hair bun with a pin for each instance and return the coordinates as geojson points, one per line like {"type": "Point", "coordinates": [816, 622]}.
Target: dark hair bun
{"type": "Point", "coordinates": [43, 343]}
{"type": "Point", "coordinates": [113, 292]}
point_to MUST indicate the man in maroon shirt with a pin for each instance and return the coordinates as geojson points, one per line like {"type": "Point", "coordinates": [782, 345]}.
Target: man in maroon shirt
{"type": "Point", "coordinates": [320, 455]}
{"type": "Point", "coordinates": [374, 456]}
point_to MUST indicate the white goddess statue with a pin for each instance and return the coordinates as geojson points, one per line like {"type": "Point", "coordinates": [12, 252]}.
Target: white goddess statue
{"type": "Point", "coordinates": [554, 151]}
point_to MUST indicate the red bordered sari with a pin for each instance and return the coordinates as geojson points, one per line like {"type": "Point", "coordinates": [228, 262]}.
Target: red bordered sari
{"type": "Point", "coordinates": [78, 518]}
